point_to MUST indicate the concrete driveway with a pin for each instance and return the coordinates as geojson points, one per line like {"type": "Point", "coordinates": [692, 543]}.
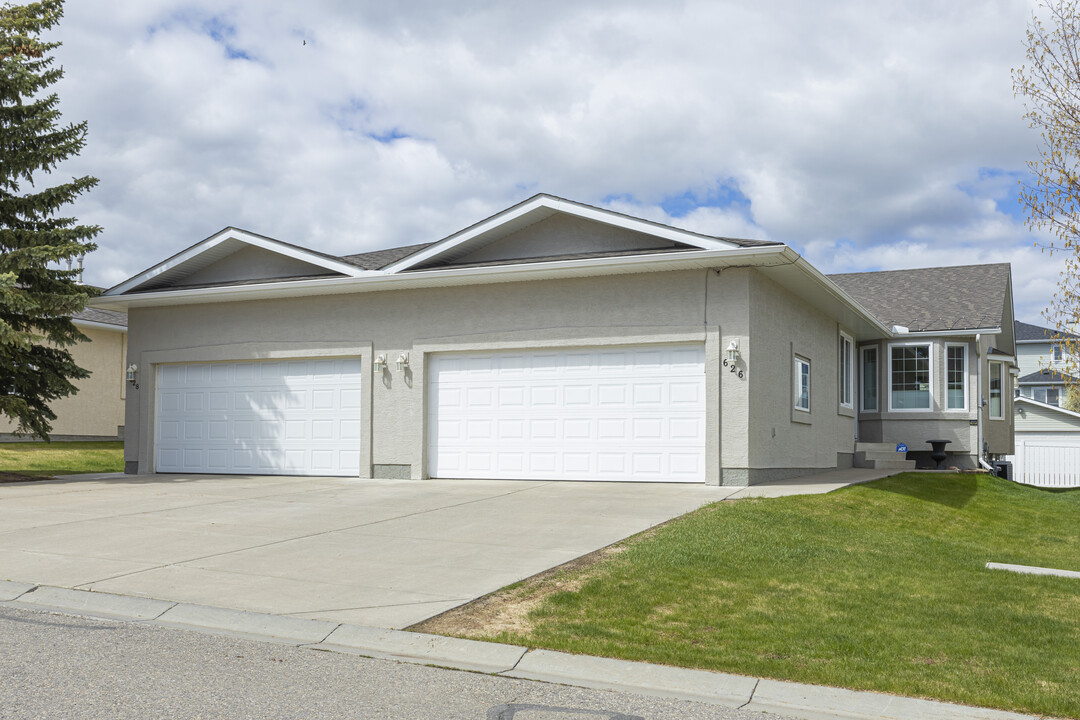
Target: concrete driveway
{"type": "Point", "coordinates": [387, 553]}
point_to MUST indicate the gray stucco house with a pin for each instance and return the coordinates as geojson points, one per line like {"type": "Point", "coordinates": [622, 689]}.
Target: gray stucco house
{"type": "Point", "coordinates": [556, 340]}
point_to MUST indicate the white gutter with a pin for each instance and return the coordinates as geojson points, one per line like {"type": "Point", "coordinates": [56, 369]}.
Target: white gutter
{"type": "Point", "coordinates": [954, 333]}
{"type": "Point", "coordinates": [449, 276]}
{"type": "Point", "coordinates": [99, 325]}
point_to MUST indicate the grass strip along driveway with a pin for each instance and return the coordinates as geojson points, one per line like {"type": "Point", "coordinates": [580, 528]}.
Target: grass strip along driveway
{"type": "Point", "coordinates": [880, 587]}
{"type": "Point", "coordinates": [38, 459]}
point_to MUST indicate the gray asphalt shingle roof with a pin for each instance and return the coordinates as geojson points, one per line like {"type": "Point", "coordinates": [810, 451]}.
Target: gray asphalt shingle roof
{"type": "Point", "coordinates": [1028, 332]}
{"type": "Point", "coordinates": [962, 297]}
{"type": "Point", "coordinates": [1046, 377]}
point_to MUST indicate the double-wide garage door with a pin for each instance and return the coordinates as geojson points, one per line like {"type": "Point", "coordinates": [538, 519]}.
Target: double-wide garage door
{"type": "Point", "coordinates": [289, 417]}
{"type": "Point", "coordinates": [625, 413]}
{"type": "Point", "coordinates": [633, 413]}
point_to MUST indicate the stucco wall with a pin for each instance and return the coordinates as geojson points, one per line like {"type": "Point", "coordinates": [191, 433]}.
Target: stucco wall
{"type": "Point", "coordinates": [782, 326]}
{"type": "Point", "coordinates": [97, 410]}
{"type": "Point", "coordinates": [683, 306]}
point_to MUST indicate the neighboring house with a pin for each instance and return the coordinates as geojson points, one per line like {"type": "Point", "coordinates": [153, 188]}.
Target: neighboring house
{"type": "Point", "coordinates": [1043, 361]}
{"type": "Point", "coordinates": [1047, 445]}
{"type": "Point", "coordinates": [96, 411]}
{"type": "Point", "coordinates": [555, 340]}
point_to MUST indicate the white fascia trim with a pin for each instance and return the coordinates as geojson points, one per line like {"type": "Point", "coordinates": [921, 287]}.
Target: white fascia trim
{"type": "Point", "coordinates": [952, 333]}
{"type": "Point", "coordinates": [374, 281]}
{"type": "Point", "coordinates": [996, 357]}
{"type": "Point", "coordinates": [245, 237]}
{"type": "Point", "coordinates": [99, 325]}
{"type": "Point", "coordinates": [564, 206]}
{"type": "Point", "coordinates": [1036, 403]}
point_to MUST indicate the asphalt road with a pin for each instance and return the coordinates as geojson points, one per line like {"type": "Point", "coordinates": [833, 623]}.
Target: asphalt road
{"type": "Point", "coordinates": [55, 666]}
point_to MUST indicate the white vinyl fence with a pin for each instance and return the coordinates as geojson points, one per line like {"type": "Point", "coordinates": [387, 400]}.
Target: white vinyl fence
{"type": "Point", "coordinates": [1046, 462]}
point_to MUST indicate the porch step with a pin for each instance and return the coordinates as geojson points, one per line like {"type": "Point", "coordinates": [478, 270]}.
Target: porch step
{"type": "Point", "coordinates": [895, 464]}
{"type": "Point", "coordinates": [881, 456]}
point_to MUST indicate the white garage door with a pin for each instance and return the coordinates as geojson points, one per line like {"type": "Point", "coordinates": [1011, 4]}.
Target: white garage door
{"type": "Point", "coordinates": [287, 417]}
{"type": "Point", "coordinates": [634, 413]}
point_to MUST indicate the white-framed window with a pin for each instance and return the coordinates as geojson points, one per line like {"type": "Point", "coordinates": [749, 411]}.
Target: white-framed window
{"type": "Point", "coordinates": [911, 377]}
{"type": "Point", "coordinates": [847, 371]}
{"type": "Point", "coordinates": [997, 397]}
{"type": "Point", "coordinates": [956, 375]}
{"type": "Point", "coordinates": [869, 379]}
{"type": "Point", "coordinates": [802, 384]}
{"type": "Point", "coordinates": [1056, 352]}
{"type": "Point", "coordinates": [1048, 394]}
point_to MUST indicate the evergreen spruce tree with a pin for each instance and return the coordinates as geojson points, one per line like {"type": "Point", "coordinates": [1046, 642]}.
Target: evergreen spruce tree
{"type": "Point", "coordinates": [38, 295]}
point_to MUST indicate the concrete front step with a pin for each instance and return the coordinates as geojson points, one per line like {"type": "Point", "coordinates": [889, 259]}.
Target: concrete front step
{"type": "Point", "coordinates": [875, 447]}
{"type": "Point", "coordinates": [896, 464]}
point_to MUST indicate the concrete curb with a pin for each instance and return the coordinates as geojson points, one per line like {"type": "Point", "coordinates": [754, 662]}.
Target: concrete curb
{"type": "Point", "coordinates": [12, 590]}
{"type": "Point", "coordinates": [816, 702]}
{"type": "Point", "coordinates": [661, 680]}
{"type": "Point", "coordinates": [813, 702]}
{"type": "Point", "coordinates": [258, 626]}
{"type": "Point", "coordinates": [95, 603]}
{"type": "Point", "coordinates": [1033, 570]}
{"type": "Point", "coordinates": [420, 648]}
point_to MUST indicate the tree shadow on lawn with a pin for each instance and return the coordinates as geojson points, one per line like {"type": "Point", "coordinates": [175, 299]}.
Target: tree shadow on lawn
{"type": "Point", "coordinates": [954, 490]}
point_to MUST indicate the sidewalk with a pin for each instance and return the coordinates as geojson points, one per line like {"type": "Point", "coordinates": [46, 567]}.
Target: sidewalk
{"type": "Point", "coordinates": [793, 699]}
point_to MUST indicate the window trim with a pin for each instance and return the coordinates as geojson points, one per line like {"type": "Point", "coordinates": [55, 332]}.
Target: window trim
{"type": "Point", "coordinates": [848, 383]}
{"type": "Point", "coordinates": [930, 389]}
{"type": "Point", "coordinates": [877, 379]}
{"type": "Point", "coordinates": [1057, 352]}
{"type": "Point", "coordinates": [990, 390]}
{"type": "Point", "coordinates": [799, 360]}
{"type": "Point", "coordinates": [967, 372]}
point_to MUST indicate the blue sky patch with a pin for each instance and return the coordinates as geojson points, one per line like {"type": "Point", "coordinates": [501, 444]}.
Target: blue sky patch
{"type": "Point", "coordinates": [388, 136]}
{"type": "Point", "coordinates": [216, 27]}
{"type": "Point", "coordinates": [725, 194]}
{"type": "Point", "coordinates": [1001, 186]}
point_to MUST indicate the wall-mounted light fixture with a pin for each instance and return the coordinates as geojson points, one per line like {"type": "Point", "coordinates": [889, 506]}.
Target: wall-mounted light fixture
{"type": "Point", "coordinates": [733, 351]}
{"type": "Point", "coordinates": [380, 363]}
{"type": "Point", "coordinates": [402, 361]}
{"type": "Point", "coordinates": [132, 373]}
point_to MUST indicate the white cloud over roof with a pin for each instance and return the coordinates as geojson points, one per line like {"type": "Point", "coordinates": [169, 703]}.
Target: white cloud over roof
{"type": "Point", "coordinates": [866, 135]}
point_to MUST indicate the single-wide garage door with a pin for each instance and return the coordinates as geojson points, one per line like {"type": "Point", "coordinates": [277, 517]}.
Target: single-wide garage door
{"type": "Point", "coordinates": [281, 417]}
{"type": "Point", "coordinates": [626, 413]}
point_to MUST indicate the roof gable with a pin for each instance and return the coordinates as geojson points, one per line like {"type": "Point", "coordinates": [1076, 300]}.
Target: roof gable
{"type": "Point", "coordinates": [236, 256]}
{"type": "Point", "coordinates": [962, 297]}
{"type": "Point", "coordinates": [474, 244]}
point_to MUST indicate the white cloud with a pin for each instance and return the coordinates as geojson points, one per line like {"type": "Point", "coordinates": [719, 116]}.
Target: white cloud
{"type": "Point", "coordinates": [854, 131]}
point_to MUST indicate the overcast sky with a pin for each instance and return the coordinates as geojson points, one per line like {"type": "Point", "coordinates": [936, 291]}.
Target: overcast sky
{"type": "Point", "coordinates": [866, 135]}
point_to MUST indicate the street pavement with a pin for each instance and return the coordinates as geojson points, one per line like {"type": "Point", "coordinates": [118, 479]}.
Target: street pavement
{"type": "Point", "coordinates": [60, 666]}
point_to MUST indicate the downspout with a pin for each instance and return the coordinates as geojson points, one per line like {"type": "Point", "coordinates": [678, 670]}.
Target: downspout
{"type": "Point", "coordinates": [979, 404]}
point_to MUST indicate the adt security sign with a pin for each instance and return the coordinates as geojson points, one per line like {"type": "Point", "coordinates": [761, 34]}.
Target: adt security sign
{"type": "Point", "coordinates": [901, 447]}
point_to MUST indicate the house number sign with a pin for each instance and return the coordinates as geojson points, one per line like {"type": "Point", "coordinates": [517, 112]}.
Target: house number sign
{"type": "Point", "coordinates": [733, 369]}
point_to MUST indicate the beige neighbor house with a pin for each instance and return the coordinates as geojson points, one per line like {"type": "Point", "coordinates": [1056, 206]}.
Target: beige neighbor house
{"type": "Point", "coordinates": [96, 411]}
{"type": "Point", "coordinates": [556, 340]}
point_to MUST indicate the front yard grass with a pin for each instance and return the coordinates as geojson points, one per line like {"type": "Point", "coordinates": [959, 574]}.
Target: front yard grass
{"type": "Point", "coordinates": [38, 459]}
{"type": "Point", "coordinates": [880, 587]}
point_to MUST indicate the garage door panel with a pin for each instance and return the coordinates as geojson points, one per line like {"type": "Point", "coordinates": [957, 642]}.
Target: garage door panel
{"type": "Point", "coordinates": [614, 414]}
{"type": "Point", "coordinates": [298, 417]}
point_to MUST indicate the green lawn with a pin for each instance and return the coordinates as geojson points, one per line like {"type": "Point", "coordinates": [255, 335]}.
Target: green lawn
{"type": "Point", "coordinates": [881, 587]}
{"type": "Point", "coordinates": [61, 458]}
